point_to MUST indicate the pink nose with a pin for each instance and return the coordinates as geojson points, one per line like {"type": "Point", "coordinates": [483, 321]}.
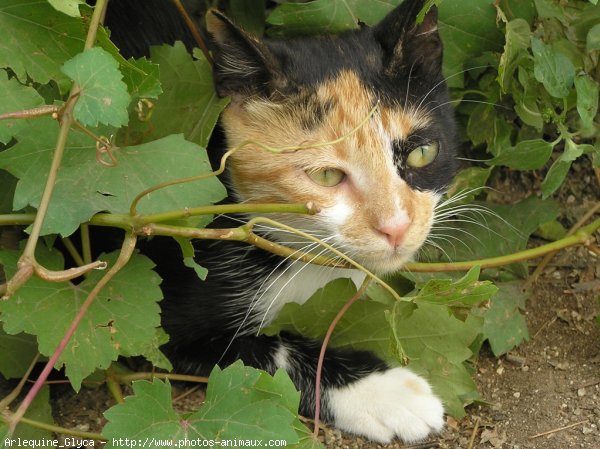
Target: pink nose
{"type": "Point", "coordinates": [394, 232]}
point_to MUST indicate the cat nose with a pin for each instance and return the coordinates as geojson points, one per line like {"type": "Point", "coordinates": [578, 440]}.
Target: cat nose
{"type": "Point", "coordinates": [394, 233]}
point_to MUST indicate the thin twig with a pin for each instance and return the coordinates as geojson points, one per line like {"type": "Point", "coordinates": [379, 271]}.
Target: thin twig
{"type": "Point", "coordinates": [321, 359]}
{"type": "Point", "coordinates": [474, 433]}
{"type": "Point", "coordinates": [194, 30]}
{"type": "Point", "coordinates": [131, 377]}
{"type": "Point", "coordinates": [126, 251]}
{"type": "Point", "coordinates": [559, 429]}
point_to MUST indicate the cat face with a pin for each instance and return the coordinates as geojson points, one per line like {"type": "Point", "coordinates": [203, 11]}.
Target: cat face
{"type": "Point", "coordinates": [368, 109]}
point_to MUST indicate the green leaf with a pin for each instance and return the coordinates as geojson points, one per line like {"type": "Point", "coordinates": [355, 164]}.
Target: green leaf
{"type": "Point", "coordinates": [249, 14]}
{"type": "Point", "coordinates": [526, 101]}
{"type": "Point", "coordinates": [103, 96]}
{"type": "Point", "coordinates": [467, 29]}
{"type": "Point", "coordinates": [188, 252]}
{"type": "Point", "coordinates": [525, 155]}
{"type": "Point", "coordinates": [587, 99]}
{"type": "Point", "coordinates": [123, 319]}
{"type": "Point", "coordinates": [513, 9]}
{"type": "Point", "coordinates": [9, 184]}
{"type": "Point", "coordinates": [245, 402]}
{"type": "Point", "coordinates": [437, 345]}
{"type": "Point", "coordinates": [15, 97]}
{"type": "Point", "coordinates": [466, 291]}
{"type": "Point", "coordinates": [85, 187]}
{"type": "Point", "coordinates": [363, 326]}
{"type": "Point", "coordinates": [142, 78]}
{"type": "Point", "coordinates": [559, 169]}
{"type": "Point", "coordinates": [328, 16]}
{"type": "Point", "coordinates": [469, 183]}
{"type": "Point", "coordinates": [518, 36]}
{"type": "Point", "coordinates": [39, 411]}
{"type": "Point", "coordinates": [16, 354]}
{"type": "Point", "coordinates": [550, 9]}
{"type": "Point", "coordinates": [68, 7]}
{"type": "Point", "coordinates": [497, 230]}
{"type": "Point", "coordinates": [504, 324]}
{"type": "Point", "coordinates": [553, 69]}
{"type": "Point", "coordinates": [35, 40]}
{"type": "Point", "coordinates": [189, 103]}
{"type": "Point", "coordinates": [241, 403]}
{"type": "Point", "coordinates": [593, 38]}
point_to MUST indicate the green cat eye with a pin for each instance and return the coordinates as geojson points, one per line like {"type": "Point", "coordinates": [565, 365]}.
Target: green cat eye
{"type": "Point", "coordinates": [326, 177]}
{"type": "Point", "coordinates": [423, 155]}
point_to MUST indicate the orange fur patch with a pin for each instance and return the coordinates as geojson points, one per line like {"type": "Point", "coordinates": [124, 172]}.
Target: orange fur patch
{"type": "Point", "coordinates": [372, 194]}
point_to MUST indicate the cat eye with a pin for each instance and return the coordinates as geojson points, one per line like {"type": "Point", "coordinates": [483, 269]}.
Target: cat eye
{"type": "Point", "coordinates": [422, 155]}
{"type": "Point", "coordinates": [326, 177]}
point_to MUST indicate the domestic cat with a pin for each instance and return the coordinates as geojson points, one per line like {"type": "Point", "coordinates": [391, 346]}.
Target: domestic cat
{"type": "Point", "coordinates": [375, 190]}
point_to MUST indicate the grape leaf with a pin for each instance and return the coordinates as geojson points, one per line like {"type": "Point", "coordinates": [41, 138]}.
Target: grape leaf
{"type": "Point", "coordinates": [241, 403]}
{"type": "Point", "coordinates": [328, 16]}
{"type": "Point", "coordinates": [504, 325]}
{"type": "Point", "coordinates": [189, 103]}
{"type": "Point", "coordinates": [85, 187]}
{"type": "Point", "coordinates": [15, 97]}
{"type": "Point", "coordinates": [437, 345]}
{"type": "Point", "coordinates": [16, 353]}
{"type": "Point", "coordinates": [103, 95]}
{"type": "Point", "coordinates": [466, 291]}
{"type": "Point", "coordinates": [124, 318]}
{"type": "Point", "coordinates": [35, 40]}
{"type": "Point", "coordinates": [69, 7]}
{"type": "Point", "coordinates": [363, 326]}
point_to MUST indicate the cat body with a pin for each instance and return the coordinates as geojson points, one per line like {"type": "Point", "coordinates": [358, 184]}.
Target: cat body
{"type": "Point", "coordinates": [370, 110]}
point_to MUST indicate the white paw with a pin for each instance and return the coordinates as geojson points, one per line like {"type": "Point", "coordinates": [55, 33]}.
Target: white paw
{"type": "Point", "coordinates": [382, 406]}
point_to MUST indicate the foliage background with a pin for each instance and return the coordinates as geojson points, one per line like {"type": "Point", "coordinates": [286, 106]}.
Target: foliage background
{"type": "Point", "coordinates": [524, 77]}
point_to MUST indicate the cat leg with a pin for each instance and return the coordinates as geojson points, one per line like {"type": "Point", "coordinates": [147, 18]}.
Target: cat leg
{"type": "Point", "coordinates": [360, 393]}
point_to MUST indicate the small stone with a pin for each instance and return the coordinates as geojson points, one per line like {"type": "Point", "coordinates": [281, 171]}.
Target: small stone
{"type": "Point", "coordinates": [500, 370]}
{"type": "Point", "coordinates": [587, 430]}
{"type": "Point", "coordinates": [581, 392]}
{"type": "Point", "coordinates": [517, 394]}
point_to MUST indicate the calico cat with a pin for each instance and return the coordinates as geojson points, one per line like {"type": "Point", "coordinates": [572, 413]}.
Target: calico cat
{"type": "Point", "coordinates": [375, 190]}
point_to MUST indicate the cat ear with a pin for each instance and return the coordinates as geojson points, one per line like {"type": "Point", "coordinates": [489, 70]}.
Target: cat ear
{"type": "Point", "coordinates": [408, 45]}
{"type": "Point", "coordinates": [242, 63]}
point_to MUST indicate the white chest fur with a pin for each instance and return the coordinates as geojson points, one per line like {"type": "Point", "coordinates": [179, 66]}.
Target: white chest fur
{"type": "Point", "coordinates": [297, 283]}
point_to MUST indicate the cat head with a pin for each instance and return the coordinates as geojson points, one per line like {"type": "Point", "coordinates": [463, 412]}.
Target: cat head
{"type": "Point", "coordinates": [369, 109]}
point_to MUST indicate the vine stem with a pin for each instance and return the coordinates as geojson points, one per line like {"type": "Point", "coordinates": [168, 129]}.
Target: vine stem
{"type": "Point", "coordinates": [126, 251]}
{"type": "Point", "coordinates": [324, 345]}
{"type": "Point", "coordinates": [27, 264]}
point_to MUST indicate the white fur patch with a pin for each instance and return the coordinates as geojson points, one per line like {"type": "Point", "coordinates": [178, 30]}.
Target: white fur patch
{"type": "Point", "coordinates": [382, 406]}
{"type": "Point", "coordinates": [297, 283]}
{"type": "Point", "coordinates": [338, 214]}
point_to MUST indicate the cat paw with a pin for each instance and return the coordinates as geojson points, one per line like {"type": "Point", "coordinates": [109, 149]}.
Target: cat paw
{"type": "Point", "coordinates": [385, 405]}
